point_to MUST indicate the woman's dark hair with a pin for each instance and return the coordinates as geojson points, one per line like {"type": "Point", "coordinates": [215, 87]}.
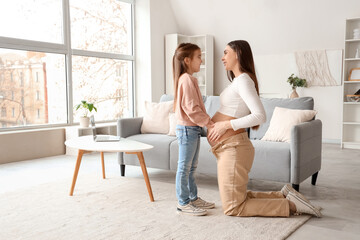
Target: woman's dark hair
{"type": "Point", "coordinates": [179, 67]}
{"type": "Point", "coordinates": [246, 63]}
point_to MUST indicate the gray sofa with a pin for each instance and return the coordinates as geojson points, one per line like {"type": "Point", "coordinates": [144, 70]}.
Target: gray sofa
{"type": "Point", "coordinates": [276, 161]}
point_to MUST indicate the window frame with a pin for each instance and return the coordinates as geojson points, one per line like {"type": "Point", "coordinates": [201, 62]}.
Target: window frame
{"type": "Point", "coordinates": [68, 52]}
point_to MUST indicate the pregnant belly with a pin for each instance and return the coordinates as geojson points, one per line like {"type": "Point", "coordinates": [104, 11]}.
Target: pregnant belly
{"type": "Point", "coordinates": [218, 117]}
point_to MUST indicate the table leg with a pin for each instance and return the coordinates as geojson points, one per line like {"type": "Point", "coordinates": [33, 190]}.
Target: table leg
{"type": "Point", "coordinates": [146, 176]}
{"type": "Point", "coordinates": [77, 166]}
{"type": "Point", "coordinates": [102, 164]}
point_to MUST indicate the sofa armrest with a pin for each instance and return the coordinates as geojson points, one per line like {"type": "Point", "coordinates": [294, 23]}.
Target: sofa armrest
{"type": "Point", "coordinates": [305, 150]}
{"type": "Point", "coordinates": [129, 126]}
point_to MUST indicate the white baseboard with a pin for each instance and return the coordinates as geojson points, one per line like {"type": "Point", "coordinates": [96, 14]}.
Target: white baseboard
{"type": "Point", "coordinates": [334, 141]}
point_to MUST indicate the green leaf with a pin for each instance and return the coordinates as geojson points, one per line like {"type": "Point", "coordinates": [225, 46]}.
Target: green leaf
{"type": "Point", "coordinates": [90, 107]}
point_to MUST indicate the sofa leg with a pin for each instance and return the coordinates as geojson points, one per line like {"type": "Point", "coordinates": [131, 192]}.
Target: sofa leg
{"type": "Point", "coordinates": [296, 187]}
{"type": "Point", "coordinates": [122, 170]}
{"type": "Point", "coordinates": [314, 178]}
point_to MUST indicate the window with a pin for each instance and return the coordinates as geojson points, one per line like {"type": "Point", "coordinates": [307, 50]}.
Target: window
{"type": "Point", "coordinates": [34, 48]}
{"type": "Point", "coordinates": [13, 112]}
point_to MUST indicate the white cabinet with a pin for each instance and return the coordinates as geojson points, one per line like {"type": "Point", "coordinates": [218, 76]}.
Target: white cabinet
{"type": "Point", "coordinates": [351, 110]}
{"type": "Point", "coordinates": [206, 75]}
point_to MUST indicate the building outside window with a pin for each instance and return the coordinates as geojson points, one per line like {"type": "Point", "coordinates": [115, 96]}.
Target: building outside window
{"type": "Point", "coordinates": [98, 66]}
{"type": "Point", "coordinates": [3, 112]}
{"type": "Point", "coordinates": [13, 112]}
{"type": "Point", "coordinates": [21, 79]}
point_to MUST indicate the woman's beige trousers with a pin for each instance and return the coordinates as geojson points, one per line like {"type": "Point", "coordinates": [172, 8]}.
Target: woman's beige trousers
{"type": "Point", "coordinates": [235, 156]}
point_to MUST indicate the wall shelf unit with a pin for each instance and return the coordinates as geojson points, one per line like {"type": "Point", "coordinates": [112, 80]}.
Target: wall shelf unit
{"type": "Point", "coordinates": [206, 75]}
{"type": "Point", "coordinates": [350, 127]}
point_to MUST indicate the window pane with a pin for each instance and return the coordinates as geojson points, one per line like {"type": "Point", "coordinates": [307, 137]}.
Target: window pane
{"type": "Point", "coordinates": [101, 25]}
{"type": "Point", "coordinates": [105, 82]}
{"type": "Point", "coordinates": [32, 88]}
{"type": "Point", "coordinates": [39, 20]}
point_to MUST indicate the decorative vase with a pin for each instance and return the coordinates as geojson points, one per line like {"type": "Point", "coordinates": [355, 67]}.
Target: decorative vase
{"type": "Point", "coordinates": [294, 94]}
{"type": "Point", "coordinates": [84, 122]}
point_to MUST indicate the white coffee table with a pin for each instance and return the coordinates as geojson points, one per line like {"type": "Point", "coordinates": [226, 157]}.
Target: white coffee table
{"type": "Point", "coordinates": [86, 143]}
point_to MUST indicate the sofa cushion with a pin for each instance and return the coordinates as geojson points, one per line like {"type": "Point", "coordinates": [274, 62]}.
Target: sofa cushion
{"type": "Point", "coordinates": [156, 118]}
{"type": "Point", "coordinates": [166, 98]}
{"type": "Point", "coordinates": [272, 161]}
{"type": "Point", "coordinates": [305, 103]}
{"type": "Point", "coordinates": [159, 156]}
{"type": "Point", "coordinates": [282, 121]}
{"type": "Point", "coordinates": [212, 104]}
{"type": "Point", "coordinates": [172, 124]}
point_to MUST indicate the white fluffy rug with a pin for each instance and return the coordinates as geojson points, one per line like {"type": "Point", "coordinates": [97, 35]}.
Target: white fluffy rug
{"type": "Point", "coordinates": [119, 208]}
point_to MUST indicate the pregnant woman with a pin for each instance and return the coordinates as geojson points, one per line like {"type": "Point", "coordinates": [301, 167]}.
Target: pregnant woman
{"type": "Point", "coordinates": [241, 108]}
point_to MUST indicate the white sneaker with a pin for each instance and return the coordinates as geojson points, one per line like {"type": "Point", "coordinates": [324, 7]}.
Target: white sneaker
{"type": "Point", "coordinates": [200, 203]}
{"type": "Point", "coordinates": [288, 188]}
{"type": "Point", "coordinates": [303, 206]}
{"type": "Point", "coordinates": [190, 209]}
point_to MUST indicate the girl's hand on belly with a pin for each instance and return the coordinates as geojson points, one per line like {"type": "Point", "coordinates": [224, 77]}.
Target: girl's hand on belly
{"type": "Point", "coordinates": [212, 143]}
{"type": "Point", "coordinates": [218, 130]}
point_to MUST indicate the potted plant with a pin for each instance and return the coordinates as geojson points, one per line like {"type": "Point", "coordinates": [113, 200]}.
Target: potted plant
{"type": "Point", "coordinates": [87, 108]}
{"type": "Point", "coordinates": [295, 82]}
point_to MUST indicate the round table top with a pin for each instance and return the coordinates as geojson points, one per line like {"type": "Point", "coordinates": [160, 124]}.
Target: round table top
{"type": "Point", "coordinates": [124, 145]}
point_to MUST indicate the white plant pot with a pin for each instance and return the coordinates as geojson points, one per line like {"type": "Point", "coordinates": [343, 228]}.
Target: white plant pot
{"type": "Point", "coordinates": [84, 122]}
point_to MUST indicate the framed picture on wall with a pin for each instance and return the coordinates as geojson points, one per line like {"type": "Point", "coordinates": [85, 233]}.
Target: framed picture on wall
{"type": "Point", "coordinates": [354, 74]}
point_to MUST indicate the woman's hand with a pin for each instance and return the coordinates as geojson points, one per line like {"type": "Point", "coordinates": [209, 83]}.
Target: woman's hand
{"type": "Point", "coordinates": [218, 130]}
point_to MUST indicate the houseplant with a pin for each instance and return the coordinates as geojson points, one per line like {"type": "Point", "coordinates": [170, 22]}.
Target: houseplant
{"type": "Point", "coordinates": [86, 108]}
{"type": "Point", "coordinates": [295, 82]}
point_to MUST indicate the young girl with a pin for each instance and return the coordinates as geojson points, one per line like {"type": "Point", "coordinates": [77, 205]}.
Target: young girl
{"type": "Point", "coordinates": [191, 116]}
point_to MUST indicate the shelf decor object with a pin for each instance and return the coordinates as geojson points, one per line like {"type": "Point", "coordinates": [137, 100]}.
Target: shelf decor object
{"type": "Point", "coordinates": [354, 74]}
{"type": "Point", "coordinates": [353, 98]}
{"type": "Point", "coordinates": [350, 127]}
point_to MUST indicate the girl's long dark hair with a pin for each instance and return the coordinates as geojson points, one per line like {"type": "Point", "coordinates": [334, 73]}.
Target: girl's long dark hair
{"type": "Point", "coordinates": [179, 67]}
{"type": "Point", "coordinates": [246, 63]}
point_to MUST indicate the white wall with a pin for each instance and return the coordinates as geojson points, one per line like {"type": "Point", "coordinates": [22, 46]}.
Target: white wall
{"type": "Point", "coordinates": [270, 26]}
{"type": "Point", "coordinates": [154, 19]}
{"type": "Point", "coordinates": [142, 54]}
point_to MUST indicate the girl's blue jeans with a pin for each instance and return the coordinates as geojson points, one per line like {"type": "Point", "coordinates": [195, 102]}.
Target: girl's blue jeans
{"type": "Point", "coordinates": [189, 145]}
